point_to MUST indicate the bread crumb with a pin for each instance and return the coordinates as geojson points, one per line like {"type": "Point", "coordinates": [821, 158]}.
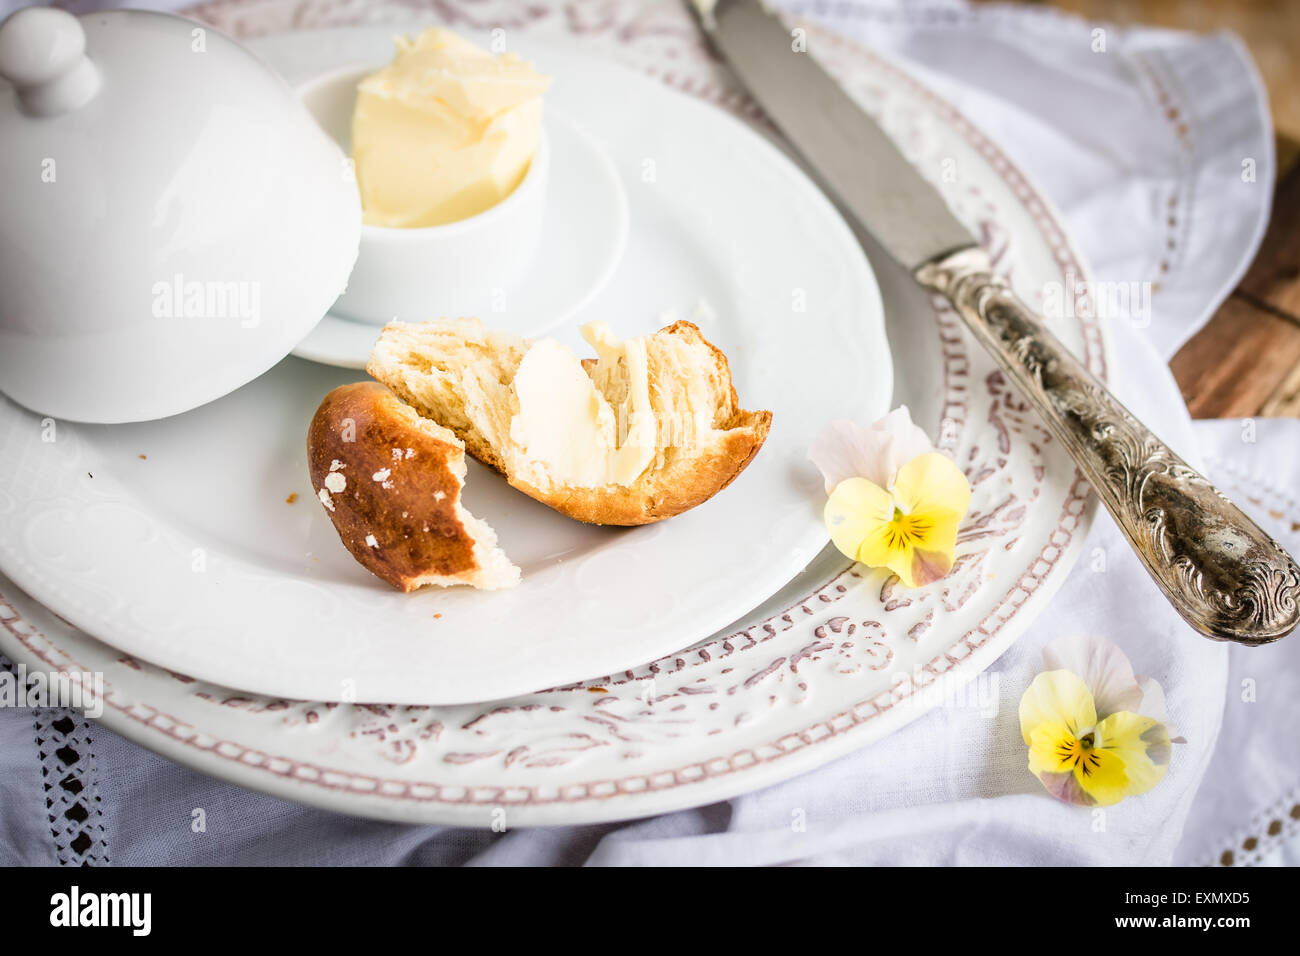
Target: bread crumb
{"type": "Point", "coordinates": [325, 499]}
{"type": "Point", "coordinates": [438, 615]}
{"type": "Point", "coordinates": [335, 482]}
{"type": "Point", "coordinates": [292, 498]}
{"type": "Point", "coordinates": [370, 540]}
{"type": "Point", "coordinates": [144, 457]}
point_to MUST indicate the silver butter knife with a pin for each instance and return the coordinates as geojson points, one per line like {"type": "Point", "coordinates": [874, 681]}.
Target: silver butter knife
{"type": "Point", "coordinates": [1225, 576]}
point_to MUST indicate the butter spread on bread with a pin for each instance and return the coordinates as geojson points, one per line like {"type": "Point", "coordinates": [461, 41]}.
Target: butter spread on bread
{"type": "Point", "coordinates": [648, 429]}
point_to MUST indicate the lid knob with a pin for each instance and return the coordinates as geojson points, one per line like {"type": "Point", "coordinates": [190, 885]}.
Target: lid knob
{"type": "Point", "coordinates": [43, 54]}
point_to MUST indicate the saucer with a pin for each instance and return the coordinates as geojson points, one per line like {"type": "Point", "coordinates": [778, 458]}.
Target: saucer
{"type": "Point", "coordinates": [584, 233]}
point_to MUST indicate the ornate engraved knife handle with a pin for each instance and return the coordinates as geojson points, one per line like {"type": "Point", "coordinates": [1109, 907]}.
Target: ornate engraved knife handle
{"type": "Point", "coordinates": [1226, 577]}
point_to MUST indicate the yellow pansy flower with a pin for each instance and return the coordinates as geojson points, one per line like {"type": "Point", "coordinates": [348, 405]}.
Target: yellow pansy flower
{"type": "Point", "coordinates": [894, 502]}
{"type": "Point", "coordinates": [1089, 741]}
{"type": "Point", "coordinates": [910, 529]}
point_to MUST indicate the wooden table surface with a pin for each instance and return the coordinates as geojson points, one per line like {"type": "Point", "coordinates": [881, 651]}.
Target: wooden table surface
{"type": "Point", "coordinates": [1246, 360]}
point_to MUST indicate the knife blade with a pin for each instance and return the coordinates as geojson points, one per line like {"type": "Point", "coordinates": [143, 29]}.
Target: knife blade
{"type": "Point", "coordinates": [854, 159]}
{"type": "Point", "coordinates": [1227, 578]}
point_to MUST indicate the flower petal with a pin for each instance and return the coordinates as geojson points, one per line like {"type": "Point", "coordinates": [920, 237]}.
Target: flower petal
{"type": "Point", "coordinates": [1056, 697]}
{"type": "Point", "coordinates": [907, 440]}
{"type": "Point", "coordinates": [856, 510]}
{"type": "Point", "coordinates": [878, 549]}
{"type": "Point", "coordinates": [1073, 772]}
{"type": "Point", "coordinates": [1065, 787]}
{"type": "Point", "coordinates": [937, 528]}
{"type": "Point", "coordinates": [1104, 778]}
{"type": "Point", "coordinates": [1048, 742]}
{"type": "Point", "coordinates": [1141, 747]}
{"type": "Point", "coordinates": [1153, 705]}
{"type": "Point", "coordinates": [894, 543]}
{"type": "Point", "coordinates": [927, 566]}
{"type": "Point", "coordinates": [844, 449]}
{"type": "Point", "coordinates": [1104, 668]}
{"type": "Point", "coordinates": [931, 482]}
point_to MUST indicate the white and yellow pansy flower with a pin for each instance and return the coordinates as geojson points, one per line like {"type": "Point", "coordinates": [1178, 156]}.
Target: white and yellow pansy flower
{"type": "Point", "coordinates": [1096, 732]}
{"type": "Point", "coordinates": [894, 502]}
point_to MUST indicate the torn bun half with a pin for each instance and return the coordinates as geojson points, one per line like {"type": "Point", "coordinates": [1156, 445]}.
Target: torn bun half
{"type": "Point", "coordinates": [390, 482]}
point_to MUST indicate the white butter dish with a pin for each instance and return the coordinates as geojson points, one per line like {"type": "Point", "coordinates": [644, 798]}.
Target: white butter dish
{"type": "Point", "coordinates": [174, 221]}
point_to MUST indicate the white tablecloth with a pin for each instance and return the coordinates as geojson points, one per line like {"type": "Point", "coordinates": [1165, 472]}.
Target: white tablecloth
{"type": "Point", "coordinates": [1110, 140]}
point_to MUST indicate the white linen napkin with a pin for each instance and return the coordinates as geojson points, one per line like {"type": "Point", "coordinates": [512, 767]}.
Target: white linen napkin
{"type": "Point", "coordinates": [1155, 145]}
{"type": "Point", "coordinates": [1248, 809]}
{"type": "Point", "coordinates": [1142, 145]}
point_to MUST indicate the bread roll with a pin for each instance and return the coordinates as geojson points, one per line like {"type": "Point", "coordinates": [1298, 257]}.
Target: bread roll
{"type": "Point", "coordinates": [663, 430]}
{"type": "Point", "coordinates": [390, 482]}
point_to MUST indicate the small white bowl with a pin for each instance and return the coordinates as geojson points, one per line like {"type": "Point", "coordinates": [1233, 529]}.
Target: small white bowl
{"type": "Point", "coordinates": [456, 269]}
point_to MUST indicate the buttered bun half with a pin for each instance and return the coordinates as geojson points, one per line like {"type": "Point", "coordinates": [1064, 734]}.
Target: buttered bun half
{"type": "Point", "coordinates": [646, 430]}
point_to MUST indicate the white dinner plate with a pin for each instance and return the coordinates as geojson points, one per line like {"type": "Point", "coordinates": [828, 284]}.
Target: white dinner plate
{"type": "Point", "coordinates": [584, 234]}
{"type": "Point", "coordinates": [839, 658]}
{"type": "Point", "coordinates": [175, 540]}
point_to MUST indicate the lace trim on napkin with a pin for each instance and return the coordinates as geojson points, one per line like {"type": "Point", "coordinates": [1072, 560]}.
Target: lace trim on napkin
{"type": "Point", "coordinates": [1267, 831]}
{"type": "Point", "coordinates": [1278, 823]}
{"type": "Point", "coordinates": [66, 746]}
{"type": "Point", "coordinates": [68, 771]}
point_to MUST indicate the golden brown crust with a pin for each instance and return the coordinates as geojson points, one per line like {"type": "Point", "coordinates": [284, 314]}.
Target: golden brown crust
{"type": "Point", "coordinates": [681, 485]}
{"type": "Point", "coordinates": [683, 481]}
{"type": "Point", "coordinates": [391, 485]}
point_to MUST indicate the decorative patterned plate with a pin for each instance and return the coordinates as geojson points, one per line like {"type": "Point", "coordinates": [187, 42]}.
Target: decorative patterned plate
{"type": "Point", "coordinates": [839, 658]}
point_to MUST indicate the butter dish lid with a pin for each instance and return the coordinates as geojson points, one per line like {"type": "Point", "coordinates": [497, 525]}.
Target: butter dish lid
{"type": "Point", "coordinates": [174, 221]}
